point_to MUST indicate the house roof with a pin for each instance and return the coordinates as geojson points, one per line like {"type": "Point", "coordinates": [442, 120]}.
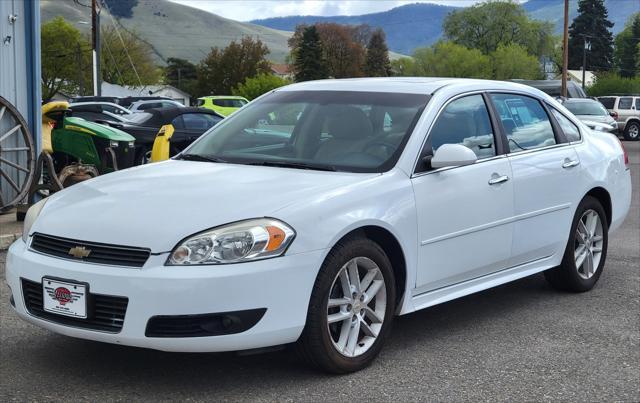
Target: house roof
{"type": "Point", "coordinates": [282, 69]}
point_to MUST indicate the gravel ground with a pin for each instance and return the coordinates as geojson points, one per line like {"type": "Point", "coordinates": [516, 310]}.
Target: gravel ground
{"type": "Point", "coordinates": [522, 341]}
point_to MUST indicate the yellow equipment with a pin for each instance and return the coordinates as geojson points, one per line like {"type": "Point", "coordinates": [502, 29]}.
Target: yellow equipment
{"type": "Point", "coordinates": [162, 144]}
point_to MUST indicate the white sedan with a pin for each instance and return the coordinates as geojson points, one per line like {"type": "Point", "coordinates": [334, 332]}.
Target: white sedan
{"type": "Point", "coordinates": [318, 213]}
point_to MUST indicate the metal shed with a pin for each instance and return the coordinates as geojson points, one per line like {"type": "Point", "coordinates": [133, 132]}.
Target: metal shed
{"type": "Point", "coordinates": [19, 79]}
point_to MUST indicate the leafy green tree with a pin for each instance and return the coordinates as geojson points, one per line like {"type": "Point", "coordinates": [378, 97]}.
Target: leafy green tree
{"type": "Point", "coordinates": [513, 61]}
{"type": "Point", "coordinates": [486, 26]}
{"type": "Point", "coordinates": [447, 59]}
{"type": "Point", "coordinates": [593, 25]}
{"type": "Point", "coordinates": [308, 59]}
{"type": "Point", "coordinates": [377, 63]}
{"type": "Point", "coordinates": [610, 83]}
{"type": "Point", "coordinates": [181, 74]}
{"type": "Point", "coordinates": [66, 59]}
{"type": "Point", "coordinates": [253, 87]}
{"type": "Point", "coordinates": [404, 66]}
{"type": "Point", "coordinates": [126, 59]}
{"type": "Point", "coordinates": [627, 52]}
{"type": "Point", "coordinates": [223, 69]}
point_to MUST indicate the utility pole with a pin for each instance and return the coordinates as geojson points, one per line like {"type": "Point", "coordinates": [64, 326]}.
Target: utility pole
{"type": "Point", "coordinates": [565, 49]}
{"type": "Point", "coordinates": [587, 46]}
{"type": "Point", "coordinates": [80, 69]}
{"type": "Point", "coordinates": [95, 44]}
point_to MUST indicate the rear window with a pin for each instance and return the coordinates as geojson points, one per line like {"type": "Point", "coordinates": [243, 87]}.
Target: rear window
{"type": "Point", "coordinates": [607, 102]}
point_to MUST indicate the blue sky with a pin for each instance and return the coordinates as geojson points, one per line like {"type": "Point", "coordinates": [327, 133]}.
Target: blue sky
{"type": "Point", "coordinates": [245, 10]}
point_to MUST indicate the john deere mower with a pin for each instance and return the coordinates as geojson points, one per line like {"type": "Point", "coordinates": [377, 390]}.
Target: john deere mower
{"type": "Point", "coordinates": [74, 150]}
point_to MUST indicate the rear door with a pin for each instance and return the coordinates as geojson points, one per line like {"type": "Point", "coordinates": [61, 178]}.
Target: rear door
{"type": "Point", "coordinates": [545, 174]}
{"type": "Point", "coordinates": [626, 109]}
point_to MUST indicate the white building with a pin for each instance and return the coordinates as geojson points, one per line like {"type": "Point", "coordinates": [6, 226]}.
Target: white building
{"type": "Point", "coordinates": [114, 90]}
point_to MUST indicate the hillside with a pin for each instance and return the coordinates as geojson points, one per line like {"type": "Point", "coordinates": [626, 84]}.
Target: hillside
{"type": "Point", "coordinates": [407, 27]}
{"type": "Point", "coordinates": [415, 25]}
{"type": "Point", "coordinates": [175, 30]}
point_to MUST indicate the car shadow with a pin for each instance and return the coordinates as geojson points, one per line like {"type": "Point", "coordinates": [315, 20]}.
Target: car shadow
{"type": "Point", "coordinates": [123, 367]}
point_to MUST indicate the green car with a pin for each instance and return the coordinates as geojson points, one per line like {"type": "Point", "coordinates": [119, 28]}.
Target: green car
{"type": "Point", "coordinates": [223, 104]}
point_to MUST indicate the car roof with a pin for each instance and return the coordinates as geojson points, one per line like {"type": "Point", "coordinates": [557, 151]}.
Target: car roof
{"type": "Point", "coordinates": [165, 115]}
{"type": "Point", "coordinates": [150, 101]}
{"type": "Point", "coordinates": [409, 85]}
{"type": "Point", "coordinates": [223, 97]}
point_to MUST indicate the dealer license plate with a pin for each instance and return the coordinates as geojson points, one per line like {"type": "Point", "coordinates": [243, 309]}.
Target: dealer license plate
{"type": "Point", "coordinates": [64, 298]}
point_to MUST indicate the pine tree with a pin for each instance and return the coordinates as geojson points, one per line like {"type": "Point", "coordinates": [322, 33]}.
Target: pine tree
{"type": "Point", "coordinates": [309, 63]}
{"type": "Point", "coordinates": [627, 53]}
{"type": "Point", "coordinates": [592, 24]}
{"type": "Point", "coordinates": [377, 64]}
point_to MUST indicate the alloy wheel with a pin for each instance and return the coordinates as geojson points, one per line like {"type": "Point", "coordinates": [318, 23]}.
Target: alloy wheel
{"type": "Point", "coordinates": [634, 131]}
{"type": "Point", "coordinates": [356, 307]}
{"type": "Point", "coordinates": [588, 244]}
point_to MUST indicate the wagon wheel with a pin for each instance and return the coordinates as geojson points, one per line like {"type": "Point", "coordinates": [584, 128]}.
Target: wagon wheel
{"type": "Point", "coordinates": [17, 156]}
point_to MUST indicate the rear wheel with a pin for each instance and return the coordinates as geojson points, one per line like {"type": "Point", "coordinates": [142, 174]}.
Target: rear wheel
{"type": "Point", "coordinates": [632, 131]}
{"type": "Point", "coordinates": [586, 249]}
{"type": "Point", "coordinates": [351, 309]}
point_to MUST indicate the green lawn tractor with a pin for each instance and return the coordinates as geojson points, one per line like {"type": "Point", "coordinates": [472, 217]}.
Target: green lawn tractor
{"type": "Point", "coordinates": [74, 150]}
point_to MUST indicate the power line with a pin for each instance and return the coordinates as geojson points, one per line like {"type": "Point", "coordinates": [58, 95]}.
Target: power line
{"type": "Point", "coordinates": [124, 46]}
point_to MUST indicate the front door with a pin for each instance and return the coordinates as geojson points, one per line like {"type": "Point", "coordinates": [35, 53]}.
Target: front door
{"type": "Point", "coordinates": [463, 212]}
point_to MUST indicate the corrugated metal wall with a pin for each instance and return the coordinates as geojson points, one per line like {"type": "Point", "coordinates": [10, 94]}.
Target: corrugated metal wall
{"type": "Point", "coordinates": [19, 74]}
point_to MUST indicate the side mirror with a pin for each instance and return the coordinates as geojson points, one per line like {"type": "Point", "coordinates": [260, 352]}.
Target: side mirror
{"type": "Point", "coordinates": [453, 155]}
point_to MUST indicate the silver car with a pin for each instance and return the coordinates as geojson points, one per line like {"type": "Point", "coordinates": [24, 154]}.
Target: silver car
{"type": "Point", "coordinates": [592, 113]}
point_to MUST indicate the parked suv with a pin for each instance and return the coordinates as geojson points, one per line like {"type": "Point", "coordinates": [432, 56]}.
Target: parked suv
{"type": "Point", "coordinates": [626, 111]}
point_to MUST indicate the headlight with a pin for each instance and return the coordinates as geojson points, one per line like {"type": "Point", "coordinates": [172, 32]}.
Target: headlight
{"type": "Point", "coordinates": [30, 218]}
{"type": "Point", "coordinates": [234, 243]}
{"type": "Point", "coordinates": [113, 143]}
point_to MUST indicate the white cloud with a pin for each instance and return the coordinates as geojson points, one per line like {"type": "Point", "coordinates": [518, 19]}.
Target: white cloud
{"type": "Point", "coordinates": [246, 10]}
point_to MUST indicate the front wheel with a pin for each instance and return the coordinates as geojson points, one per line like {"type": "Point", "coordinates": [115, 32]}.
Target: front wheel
{"type": "Point", "coordinates": [351, 309]}
{"type": "Point", "coordinates": [586, 249]}
{"type": "Point", "coordinates": [632, 131]}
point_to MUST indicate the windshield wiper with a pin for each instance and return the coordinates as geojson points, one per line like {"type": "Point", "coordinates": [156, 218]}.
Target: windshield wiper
{"type": "Point", "coordinates": [293, 164]}
{"type": "Point", "coordinates": [199, 157]}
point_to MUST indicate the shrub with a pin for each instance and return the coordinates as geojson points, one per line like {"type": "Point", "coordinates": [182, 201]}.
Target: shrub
{"type": "Point", "coordinates": [610, 84]}
{"type": "Point", "coordinates": [253, 87]}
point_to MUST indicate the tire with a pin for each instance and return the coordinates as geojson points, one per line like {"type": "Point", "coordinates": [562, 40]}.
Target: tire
{"type": "Point", "coordinates": [569, 276]}
{"type": "Point", "coordinates": [632, 131]}
{"type": "Point", "coordinates": [319, 342]}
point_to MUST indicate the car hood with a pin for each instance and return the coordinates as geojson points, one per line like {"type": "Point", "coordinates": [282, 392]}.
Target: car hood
{"type": "Point", "coordinates": [596, 118]}
{"type": "Point", "coordinates": [157, 205]}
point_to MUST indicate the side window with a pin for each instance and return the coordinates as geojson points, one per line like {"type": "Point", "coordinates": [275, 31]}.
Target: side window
{"type": "Point", "coordinates": [525, 122]}
{"type": "Point", "coordinates": [199, 121]}
{"type": "Point", "coordinates": [465, 121]}
{"type": "Point", "coordinates": [178, 122]}
{"type": "Point", "coordinates": [608, 102]}
{"type": "Point", "coordinates": [625, 103]}
{"type": "Point", "coordinates": [570, 130]}
{"type": "Point", "coordinates": [637, 103]}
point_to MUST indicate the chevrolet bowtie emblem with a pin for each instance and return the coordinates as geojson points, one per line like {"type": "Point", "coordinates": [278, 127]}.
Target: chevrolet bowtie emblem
{"type": "Point", "coordinates": [79, 252]}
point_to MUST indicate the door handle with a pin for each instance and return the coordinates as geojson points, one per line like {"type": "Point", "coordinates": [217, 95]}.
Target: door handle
{"type": "Point", "coordinates": [498, 179]}
{"type": "Point", "coordinates": [570, 163]}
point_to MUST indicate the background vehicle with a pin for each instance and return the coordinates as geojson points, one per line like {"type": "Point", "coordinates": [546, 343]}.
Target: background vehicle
{"type": "Point", "coordinates": [122, 101]}
{"type": "Point", "coordinates": [554, 87]}
{"type": "Point", "coordinates": [139, 106]}
{"type": "Point", "coordinates": [98, 111]}
{"type": "Point", "coordinates": [591, 113]}
{"type": "Point", "coordinates": [189, 123]}
{"type": "Point", "coordinates": [626, 111]}
{"type": "Point", "coordinates": [223, 104]}
{"type": "Point", "coordinates": [76, 144]}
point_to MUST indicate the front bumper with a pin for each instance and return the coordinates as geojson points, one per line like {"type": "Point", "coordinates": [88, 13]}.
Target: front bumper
{"type": "Point", "coordinates": [282, 285]}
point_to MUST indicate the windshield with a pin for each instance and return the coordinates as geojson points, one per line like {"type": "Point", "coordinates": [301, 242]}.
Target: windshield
{"type": "Point", "coordinates": [336, 130]}
{"type": "Point", "coordinates": [586, 108]}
